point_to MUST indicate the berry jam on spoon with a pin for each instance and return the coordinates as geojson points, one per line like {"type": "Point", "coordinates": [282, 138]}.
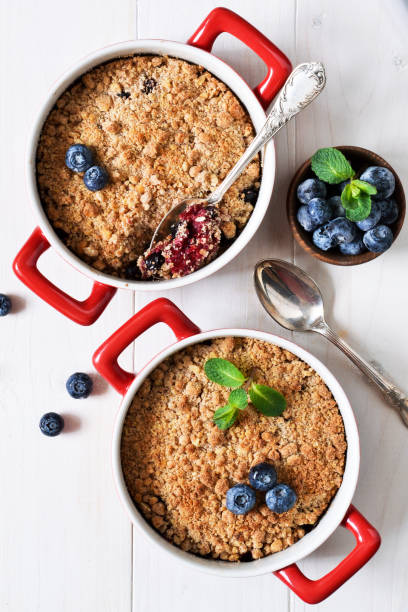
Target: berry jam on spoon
{"type": "Point", "coordinates": [199, 232]}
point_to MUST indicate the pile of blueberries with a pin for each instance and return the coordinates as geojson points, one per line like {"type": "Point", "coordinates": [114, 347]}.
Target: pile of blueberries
{"type": "Point", "coordinates": [279, 498]}
{"type": "Point", "coordinates": [79, 158]}
{"type": "Point", "coordinates": [326, 217]}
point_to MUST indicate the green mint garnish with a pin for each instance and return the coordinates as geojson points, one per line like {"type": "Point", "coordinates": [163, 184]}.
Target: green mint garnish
{"type": "Point", "coordinates": [238, 398]}
{"type": "Point", "coordinates": [224, 373]}
{"type": "Point", "coordinates": [356, 203]}
{"type": "Point", "coordinates": [365, 187]}
{"type": "Point", "coordinates": [331, 166]}
{"type": "Point", "coordinates": [267, 400]}
{"type": "Point", "coordinates": [225, 416]}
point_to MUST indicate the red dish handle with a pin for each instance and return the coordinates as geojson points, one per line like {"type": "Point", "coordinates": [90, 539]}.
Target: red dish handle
{"type": "Point", "coordinates": [223, 20]}
{"type": "Point", "coordinates": [105, 358]}
{"type": "Point", "coordinates": [25, 267]}
{"type": "Point", "coordinates": [314, 591]}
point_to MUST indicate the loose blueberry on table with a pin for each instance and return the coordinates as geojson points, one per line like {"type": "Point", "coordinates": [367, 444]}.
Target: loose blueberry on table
{"type": "Point", "coordinates": [357, 219]}
{"type": "Point", "coordinates": [51, 424]}
{"type": "Point", "coordinates": [5, 305]}
{"type": "Point", "coordinates": [79, 385]}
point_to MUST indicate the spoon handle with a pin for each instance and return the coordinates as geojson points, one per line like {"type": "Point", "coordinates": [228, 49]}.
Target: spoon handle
{"type": "Point", "coordinates": [396, 397]}
{"type": "Point", "coordinates": [302, 86]}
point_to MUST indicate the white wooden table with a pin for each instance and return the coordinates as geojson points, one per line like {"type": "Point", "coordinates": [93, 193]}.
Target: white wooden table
{"type": "Point", "coordinates": [65, 543]}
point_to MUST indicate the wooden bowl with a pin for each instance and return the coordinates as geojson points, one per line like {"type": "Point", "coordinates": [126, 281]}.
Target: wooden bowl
{"type": "Point", "coordinates": [359, 159]}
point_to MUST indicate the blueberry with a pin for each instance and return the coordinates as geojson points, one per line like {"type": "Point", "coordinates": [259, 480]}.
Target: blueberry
{"type": "Point", "coordinates": [5, 305]}
{"type": "Point", "coordinates": [148, 85]}
{"type": "Point", "coordinates": [372, 219]}
{"type": "Point", "coordinates": [262, 476]}
{"type": "Point", "coordinates": [212, 211]}
{"type": "Point", "coordinates": [132, 270]}
{"type": "Point", "coordinates": [305, 219]}
{"type": "Point", "coordinates": [51, 424]}
{"type": "Point", "coordinates": [355, 247]}
{"type": "Point", "coordinates": [154, 261]}
{"type": "Point", "coordinates": [174, 228]}
{"type": "Point", "coordinates": [382, 179]}
{"type": "Point", "coordinates": [95, 178]}
{"type": "Point", "coordinates": [79, 385]}
{"type": "Point", "coordinates": [78, 158]}
{"type": "Point", "coordinates": [337, 206]}
{"type": "Point", "coordinates": [341, 230]}
{"type": "Point", "coordinates": [389, 211]}
{"type": "Point", "coordinates": [251, 195]}
{"type": "Point", "coordinates": [281, 498]}
{"type": "Point", "coordinates": [320, 211]}
{"type": "Point", "coordinates": [322, 239]}
{"type": "Point", "coordinates": [309, 189]}
{"type": "Point", "coordinates": [378, 239]}
{"type": "Point", "coordinates": [240, 499]}
{"type": "Point", "coordinates": [123, 94]}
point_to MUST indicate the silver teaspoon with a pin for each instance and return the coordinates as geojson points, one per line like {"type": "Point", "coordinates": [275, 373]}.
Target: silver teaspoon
{"type": "Point", "coordinates": [303, 85]}
{"type": "Point", "coordinates": [292, 299]}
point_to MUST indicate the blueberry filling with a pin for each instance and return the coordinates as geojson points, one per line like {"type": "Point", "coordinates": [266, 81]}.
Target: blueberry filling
{"type": "Point", "coordinates": [148, 85]}
{"type": "Point", "coordinates": [250, 195]}
{"type": "Point", "coordinates": [154, 261]}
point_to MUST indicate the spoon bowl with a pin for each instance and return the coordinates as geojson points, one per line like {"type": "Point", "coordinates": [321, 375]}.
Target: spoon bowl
{"type": "Point", "coordinates": [289, 295]}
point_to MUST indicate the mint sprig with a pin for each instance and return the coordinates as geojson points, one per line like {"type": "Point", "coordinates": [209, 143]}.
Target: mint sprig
{"type": "Point", "coordinates": [331, 166]}
{"type": "Point", "coordinates": [266, 400]}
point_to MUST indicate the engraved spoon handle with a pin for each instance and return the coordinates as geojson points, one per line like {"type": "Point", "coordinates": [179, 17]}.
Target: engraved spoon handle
{"type": "Point", "coordinates": [303, 85]}
{"type": "Point", "coordinates": [395, 396]}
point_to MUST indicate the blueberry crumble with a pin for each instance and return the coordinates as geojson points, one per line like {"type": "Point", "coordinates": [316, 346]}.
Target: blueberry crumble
{"type": "Point", "coordinates": [162, 130]}
{"type": "Point", "coordinates": [248, 491]}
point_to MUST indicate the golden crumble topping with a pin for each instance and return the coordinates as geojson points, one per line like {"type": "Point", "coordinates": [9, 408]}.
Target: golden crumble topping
{"type": "Point", "coordinates": [178, 465]}
{"type": "Point", "coordinates": [163, 129]}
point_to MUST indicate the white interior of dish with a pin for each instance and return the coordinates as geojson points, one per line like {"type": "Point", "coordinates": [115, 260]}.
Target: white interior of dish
{"type": "Point", "coordinates": [219, 69]}
{"type": "Point", "coordinates": [329, 521]}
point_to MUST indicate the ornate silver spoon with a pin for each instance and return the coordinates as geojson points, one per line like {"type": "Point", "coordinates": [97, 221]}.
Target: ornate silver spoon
{"type": "Point", "coordinates": [292, 299]}
{"type": "Point", "coordinates": [303, 85]}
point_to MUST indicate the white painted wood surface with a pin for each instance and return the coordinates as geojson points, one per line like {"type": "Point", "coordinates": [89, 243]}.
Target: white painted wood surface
{"type": "Point", "coordinates": [65, 543]}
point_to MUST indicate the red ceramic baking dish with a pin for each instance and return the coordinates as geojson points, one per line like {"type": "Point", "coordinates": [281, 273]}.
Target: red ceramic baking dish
{"type": "Point", "coordinates": [340, 512]}
{"type": "Point", "coordinates": [197, 51]}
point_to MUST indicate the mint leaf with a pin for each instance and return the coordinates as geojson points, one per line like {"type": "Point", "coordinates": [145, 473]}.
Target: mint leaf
{"type": "Point", "coordinates": [331, 166]}
{"type": "Point", "coordinates": [223, 372]}
{"type": "Point", "coordinates": [267, 400]}
{"type": "Point", "coordinates": [365, 187]}
{"type": "Point", "coordinates": [346, 197]}
{"type": "Point", "coordinates": [225, 416]}
{"type": "Point", "coordinates": [238, 399]}
{"type": "Point", "coordinates": [361, 209]}
{"type": "Point", "coordinates": [356, 203]}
